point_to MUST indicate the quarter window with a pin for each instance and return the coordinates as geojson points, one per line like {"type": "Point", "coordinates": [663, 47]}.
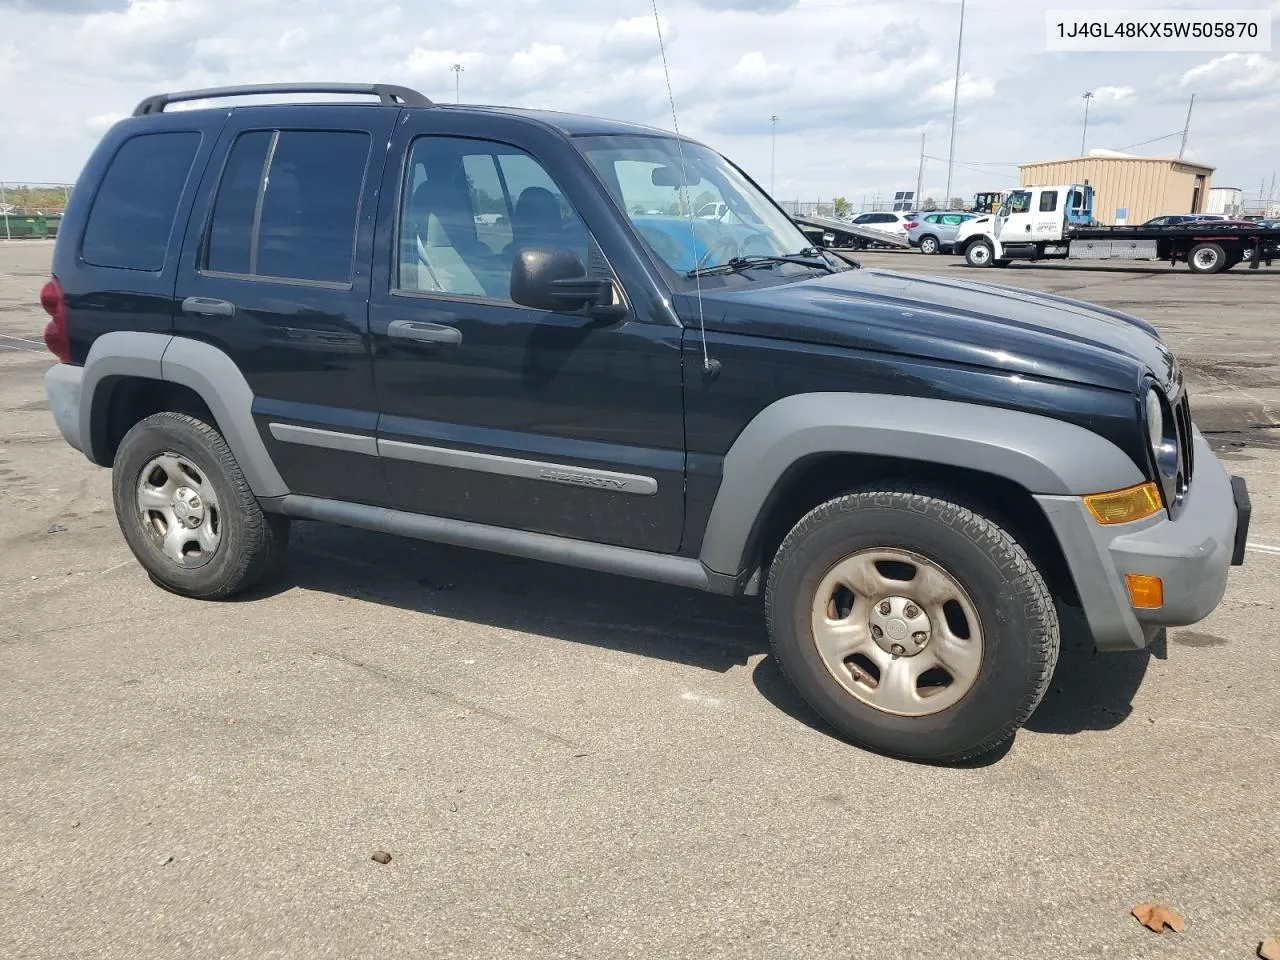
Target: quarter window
{"type": "Point", "coordinates": [133, 214]}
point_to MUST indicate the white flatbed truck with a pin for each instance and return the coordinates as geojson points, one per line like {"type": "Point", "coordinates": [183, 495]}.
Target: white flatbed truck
{"type": "Point", "coordinates": [1056, 222]}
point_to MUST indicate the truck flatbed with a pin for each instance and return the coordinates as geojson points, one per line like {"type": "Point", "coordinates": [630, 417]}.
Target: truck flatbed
{"type": "Point", "coordinates": [1204, 230]}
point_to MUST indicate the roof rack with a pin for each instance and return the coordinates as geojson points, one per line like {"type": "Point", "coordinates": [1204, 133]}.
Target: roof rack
{"type": "Point", "coordinates": [387, 93]}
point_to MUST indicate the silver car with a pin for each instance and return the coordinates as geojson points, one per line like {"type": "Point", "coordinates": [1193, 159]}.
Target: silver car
{"type": "Point", "coordinates": [935, 232]}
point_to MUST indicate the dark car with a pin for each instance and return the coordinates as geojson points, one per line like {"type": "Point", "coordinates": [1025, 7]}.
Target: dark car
{"type": "Point", "coordinates": [290, 311]}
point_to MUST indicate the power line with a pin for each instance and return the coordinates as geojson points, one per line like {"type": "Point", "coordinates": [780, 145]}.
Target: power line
{"type": "Point", "coordinates": [1167, 136]}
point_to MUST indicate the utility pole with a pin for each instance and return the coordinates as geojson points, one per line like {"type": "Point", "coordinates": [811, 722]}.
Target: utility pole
{"type": "Point", "coordinates": [457, 69]}
{"type": "Point", "coordinates": [1186, 128]}
{"type": "Point", "coordinates": [920, 175]}
{"type": "Point", "coordinates": [773, 152]}
{"type": "Point", "coordinates": [955, 102]}
{"type": "Point", "coordinates": [4, 212]}
{"type": "Point", "coordinates": [1085, 132]}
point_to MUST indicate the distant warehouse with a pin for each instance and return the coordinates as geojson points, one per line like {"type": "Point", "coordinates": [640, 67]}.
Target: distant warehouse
{"type": "Point", "coordinates": [1129, 189]}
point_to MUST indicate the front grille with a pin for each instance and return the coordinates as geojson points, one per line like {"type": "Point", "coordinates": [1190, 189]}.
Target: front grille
{"type": "Point", "coordinates": [1186, 449]}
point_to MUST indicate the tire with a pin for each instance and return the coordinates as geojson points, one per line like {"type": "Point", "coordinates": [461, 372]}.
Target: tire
{"type": "Point", "coordinates": [172, 468]}
{"type": "Point", "coordinates": [929, 245]}
{"type": "Point", "coordinates": [1207, 258]}
{"type": "Point", "coordinates": [980, 253]}
{"type": "Point", "coordinates": [1001, 598]}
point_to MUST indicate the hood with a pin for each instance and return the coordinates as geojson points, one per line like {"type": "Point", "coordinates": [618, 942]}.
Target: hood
{"type": "Point", "coordinates": [954, 321]}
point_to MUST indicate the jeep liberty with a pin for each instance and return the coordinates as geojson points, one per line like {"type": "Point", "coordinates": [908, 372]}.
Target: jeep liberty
{"type": "Point", "coordinates": [505, 329]}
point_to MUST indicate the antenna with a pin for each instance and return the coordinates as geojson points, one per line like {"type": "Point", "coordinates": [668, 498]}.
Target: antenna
{"type": "Point", "coordinates": [708, 365]}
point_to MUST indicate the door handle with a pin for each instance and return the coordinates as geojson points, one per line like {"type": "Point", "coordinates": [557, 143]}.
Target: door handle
{"type": "Point", "coordinates": [421, 332]}
{"type": "Point", "coordinates": [209, 307]}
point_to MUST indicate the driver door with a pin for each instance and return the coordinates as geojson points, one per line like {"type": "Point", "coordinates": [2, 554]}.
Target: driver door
{"type": "Point", "coordinates": [1014, 219]}
{"type": "Point", "coordinates": [493, 412]}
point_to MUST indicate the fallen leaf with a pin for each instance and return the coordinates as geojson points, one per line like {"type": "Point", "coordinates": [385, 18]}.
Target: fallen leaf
{"type": "Point", "coordinates": [56, 528]}
{"type": "Point", "coordinates": [1269, 949]}
{"type": "Point", "coordinates": [381, 857]}
{"type": "Point", "coordinates": [1156, 916]}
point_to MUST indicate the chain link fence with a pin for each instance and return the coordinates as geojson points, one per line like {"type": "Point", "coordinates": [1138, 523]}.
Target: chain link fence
{"type": "Point", "coordinates": [839, 207]}
{"type": "Point", "coordinates": [31, 210]}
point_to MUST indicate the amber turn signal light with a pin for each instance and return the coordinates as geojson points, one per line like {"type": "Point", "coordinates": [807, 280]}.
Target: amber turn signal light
{"type": "Point", "coordinates": [1124, 506]}
{"type": "Point", "coordinates": [1145, 592]}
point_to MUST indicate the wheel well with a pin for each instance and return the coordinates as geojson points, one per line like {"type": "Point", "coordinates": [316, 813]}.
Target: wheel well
{"type": "Point", "coordinates": [127, 400]}
{"type": "Point", "coordinates": [816, 480]}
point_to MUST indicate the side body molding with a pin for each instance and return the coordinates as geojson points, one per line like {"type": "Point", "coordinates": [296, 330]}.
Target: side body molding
{"type": "Point", "coordinates": [205, 369]}
{"type": "Point", "coordinates": [1042, 455]}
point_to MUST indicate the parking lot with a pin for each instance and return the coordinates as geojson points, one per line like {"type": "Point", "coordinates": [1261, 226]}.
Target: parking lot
{"type": "Point", "coordinates": [567, 764]}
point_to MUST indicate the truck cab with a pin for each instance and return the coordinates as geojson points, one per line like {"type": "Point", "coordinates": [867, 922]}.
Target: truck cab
{"type": "Point", "coordinates": [1029, 223]}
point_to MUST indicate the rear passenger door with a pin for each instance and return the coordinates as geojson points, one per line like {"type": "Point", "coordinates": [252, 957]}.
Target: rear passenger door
{"type": "Point", "coordinates": [275, 272]}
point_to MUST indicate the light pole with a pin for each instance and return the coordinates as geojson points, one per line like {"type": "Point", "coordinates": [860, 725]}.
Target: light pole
{"type": "Point", "coordinates": [955, 102]}
{"type": "Point", "coordinates": [773, 150]}
{"type": "Point", "coordinates": [1085, 132]}
{"type": "Point", "coordinates": [457, 69]}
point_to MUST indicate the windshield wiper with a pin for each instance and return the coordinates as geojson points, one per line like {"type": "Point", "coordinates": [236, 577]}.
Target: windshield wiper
{"type": "Point", "coordinates": [809, 257]}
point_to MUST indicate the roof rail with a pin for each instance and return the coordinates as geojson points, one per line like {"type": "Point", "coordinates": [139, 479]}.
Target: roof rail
{"type": "Point", "coordinates": [387, 93]}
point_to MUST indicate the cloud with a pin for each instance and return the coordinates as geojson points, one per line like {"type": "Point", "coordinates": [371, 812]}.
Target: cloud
{"type": "Point", "coordinates": [751, 6]}
{"type": "Point", "coordinates": [1233, 73]}
{"type": "Point", "coordinates": [65, 6]}
{"type": "Point", "coordinates": [634, 40]}
{"type": "Point", "coordinates": [853, 82]}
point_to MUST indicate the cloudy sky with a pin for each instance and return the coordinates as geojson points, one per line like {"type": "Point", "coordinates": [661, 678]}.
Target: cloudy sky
{"type": "Point", "coordinates": [854, 83]}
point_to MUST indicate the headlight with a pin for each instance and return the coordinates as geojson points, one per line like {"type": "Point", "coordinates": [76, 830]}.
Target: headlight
{"type": "Point", "coordinates": [1155, 422]}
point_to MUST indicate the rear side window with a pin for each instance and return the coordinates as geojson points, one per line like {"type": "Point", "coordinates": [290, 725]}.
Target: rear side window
{"type": "Point", "coordinates": [134, 210]}
{"type": "Point", "coordinates": [1048, 201]}
{"type": "Point", "coordinates": [288, 204]}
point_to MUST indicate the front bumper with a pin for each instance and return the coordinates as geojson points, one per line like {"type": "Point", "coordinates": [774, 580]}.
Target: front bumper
{"type": "Point", "coordinates": [1191, 555]}
{"type": "Point", "coordinates": [62, 385]}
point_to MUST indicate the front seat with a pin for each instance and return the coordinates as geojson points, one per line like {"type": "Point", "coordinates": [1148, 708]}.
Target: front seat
{"type": "Point", "coordinates": [439, 250]}
{"type": "Point", "coordinates": [536, 220]}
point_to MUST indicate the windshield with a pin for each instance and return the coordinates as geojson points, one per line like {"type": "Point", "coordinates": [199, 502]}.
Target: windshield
{"type": "Point", "coordinates": [731, 217]}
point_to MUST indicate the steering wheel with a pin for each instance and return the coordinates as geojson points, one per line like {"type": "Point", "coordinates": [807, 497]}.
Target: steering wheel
{"type": "Point", "coordinates": [726, 246]}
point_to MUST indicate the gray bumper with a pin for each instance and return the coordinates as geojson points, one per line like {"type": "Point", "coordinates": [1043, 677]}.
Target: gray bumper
{"type": "Point", "coordinates": [1191, 555]}
{"type": "Point", "coordinates": [62, 386]}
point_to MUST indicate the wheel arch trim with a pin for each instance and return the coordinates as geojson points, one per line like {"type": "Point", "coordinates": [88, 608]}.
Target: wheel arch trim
{"type": "Point", "coordinates": [1038, 453]}
{"type": "Point", "coordinates": [199, 366]}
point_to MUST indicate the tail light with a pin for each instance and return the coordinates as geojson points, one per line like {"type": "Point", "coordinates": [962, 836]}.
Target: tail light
{"type": "Point", "coordinates": [56, 337]}
{"type": "Point", "coordinates": [911, 224]}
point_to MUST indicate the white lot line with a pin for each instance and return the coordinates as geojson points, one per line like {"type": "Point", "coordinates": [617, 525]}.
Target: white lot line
{"type": "Point", "coordinates": [1262, 548]}
{"type": "Point", "coordinates": [20, 343]}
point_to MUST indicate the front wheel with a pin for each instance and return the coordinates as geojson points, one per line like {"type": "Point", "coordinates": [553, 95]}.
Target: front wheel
{"type": "Point", "coordinates": [914, 625]}
{"type": "Point", "coordinates": [980, 253]}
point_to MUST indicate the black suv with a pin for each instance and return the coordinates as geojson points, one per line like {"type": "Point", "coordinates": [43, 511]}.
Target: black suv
{"type": "Point", "coordinates": [507, 329]}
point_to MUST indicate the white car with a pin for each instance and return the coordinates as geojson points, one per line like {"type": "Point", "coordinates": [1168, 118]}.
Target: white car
{"type": "Point", "coordinates": [894, 223]}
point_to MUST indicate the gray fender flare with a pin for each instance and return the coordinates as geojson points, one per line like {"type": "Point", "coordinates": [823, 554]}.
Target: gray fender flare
{"type": "Point", "coordinates": [1040, 454]}
{"type": "Point", "coordinates": [201, 367]}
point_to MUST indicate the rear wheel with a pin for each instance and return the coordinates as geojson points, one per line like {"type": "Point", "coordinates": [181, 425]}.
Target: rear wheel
{"type": "Point", "coordinates": [1207, 258]}
{"type": "Point", "coordinates": [980, 253]}
{"type": "Point", "coordinates": [914, 625]}
{"type": "Point", "coordinates": [187, 512]}
{"type": "Point", "coordinates": [929, 245]}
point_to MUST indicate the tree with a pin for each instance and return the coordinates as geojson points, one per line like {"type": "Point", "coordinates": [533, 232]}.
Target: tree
{"type": "Point", "coordinates": [930, 204]}
{"type": "Point", "coordinates": [841, 207]}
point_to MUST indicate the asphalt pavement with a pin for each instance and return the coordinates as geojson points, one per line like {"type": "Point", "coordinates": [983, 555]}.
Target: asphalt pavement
{"type": "Point", "coordinates": [567, 764]}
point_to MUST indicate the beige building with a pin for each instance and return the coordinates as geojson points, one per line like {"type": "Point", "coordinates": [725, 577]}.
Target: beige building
{"type": "Point", "coordinates": [1129, 189]}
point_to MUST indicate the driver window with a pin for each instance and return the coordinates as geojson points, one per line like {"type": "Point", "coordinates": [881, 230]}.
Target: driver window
{"type": "Point", "coordinates": [1020, 201]}
{"type": "Point", "coordinates": [467, 209]}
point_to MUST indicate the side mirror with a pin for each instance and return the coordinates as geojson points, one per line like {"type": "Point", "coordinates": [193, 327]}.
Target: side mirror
{"type": "Point", "coordinates": [554, 279]}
